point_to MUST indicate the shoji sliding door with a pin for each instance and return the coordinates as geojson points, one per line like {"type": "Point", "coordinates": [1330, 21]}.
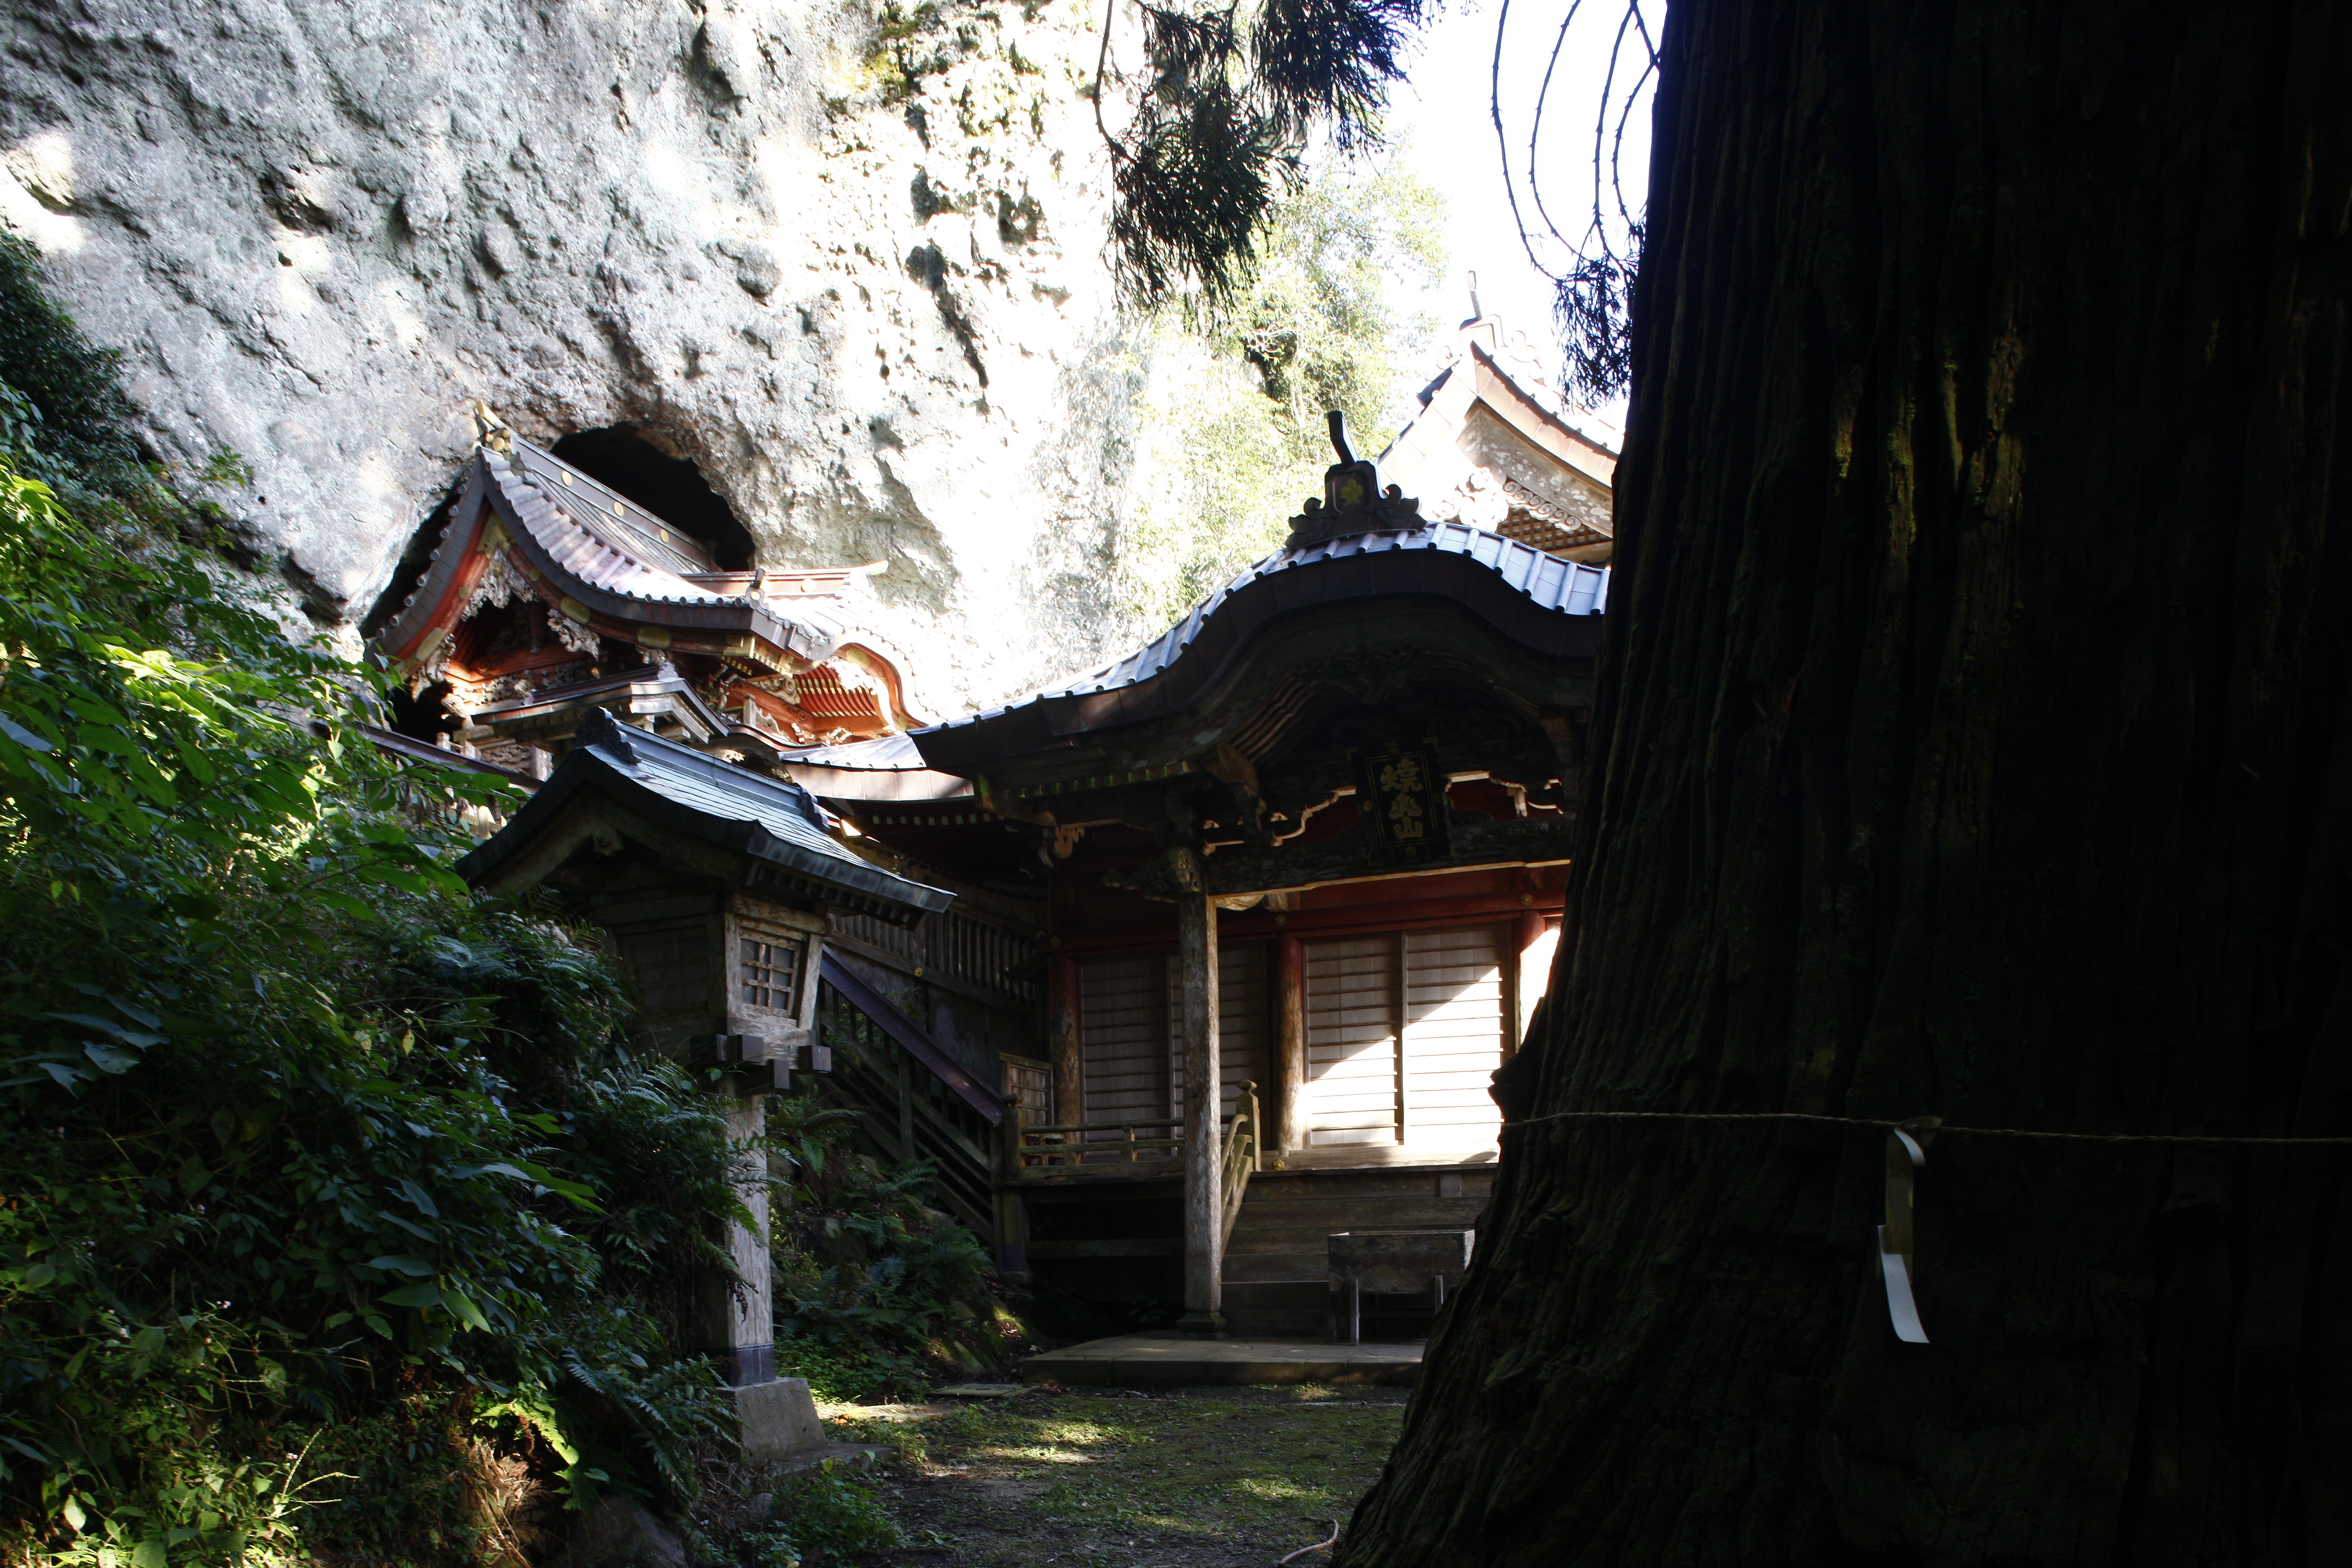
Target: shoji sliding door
{"type": "Point", "coordinates": [1131, 1057]}
{"type": "Point", "coordinates": [1352, 1041]}
{"type": "Point", "coordinates": [1123, 1037]}
{"type": "Point", "coordinates": [1404, 1030]}
{"type": "Point", "coordinates": [1454, 1019]}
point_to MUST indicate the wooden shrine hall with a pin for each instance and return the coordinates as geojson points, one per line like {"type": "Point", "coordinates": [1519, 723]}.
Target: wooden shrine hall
{"type": "Point", "coordinates": [1309, 845]}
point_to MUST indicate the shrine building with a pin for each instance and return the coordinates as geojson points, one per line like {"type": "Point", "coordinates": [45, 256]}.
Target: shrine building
{"type": "Point", "coordinates": [1310, 844]}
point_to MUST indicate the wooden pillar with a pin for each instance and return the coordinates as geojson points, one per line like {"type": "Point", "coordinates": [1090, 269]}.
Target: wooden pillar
{"type": "Point", "coordinates": [1288, 980]}
{"type": "Point", "coordinates": [736, 1313]}
{"type": "Point", "coordinates": [1063, 1041]}
{"type": "Point", "coordinates": [1531, 970]}
{"type": "Point", "coordinates": [1196, 1016]}
{"type": "Point", "coordinates": [1012, 1212]}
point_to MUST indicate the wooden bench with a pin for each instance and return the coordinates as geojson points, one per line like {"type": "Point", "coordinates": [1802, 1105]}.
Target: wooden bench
{"type": "Point", "coordinates": [1392, 1263]}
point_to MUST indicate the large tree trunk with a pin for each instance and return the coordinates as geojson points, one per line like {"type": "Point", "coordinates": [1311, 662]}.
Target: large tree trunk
{"type": "Point", "coordinates": [1973, 742]}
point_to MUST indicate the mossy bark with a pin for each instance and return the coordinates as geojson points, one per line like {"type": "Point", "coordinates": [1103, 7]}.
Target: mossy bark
{"type": "Point", "coordinates": [1973, 741]}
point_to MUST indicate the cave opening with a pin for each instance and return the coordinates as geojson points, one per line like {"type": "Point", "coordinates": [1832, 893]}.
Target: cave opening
{"type": "Point", "coordinates": [672, 488]}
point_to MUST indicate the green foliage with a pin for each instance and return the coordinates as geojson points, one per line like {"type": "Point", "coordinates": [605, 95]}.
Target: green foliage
{"type": "Point", "coordinates": [1215, 129]}
{"type": "Point", "coordinates": [821, 1515]}
{"type": "Point", "coordinates": [1237, 431]}
{"type": "Point", "coordinates": [332, 1210]}
{"type": "Point", "coordinates": [414, 1479]}
{"type": "Point", "coordinates": [876, 1289]}
{"type": "Point", "coordinates": [70, 380]}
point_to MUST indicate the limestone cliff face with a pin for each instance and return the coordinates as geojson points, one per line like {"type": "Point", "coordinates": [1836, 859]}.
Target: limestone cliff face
{"type": "Point", "coordinates": [848, 262]}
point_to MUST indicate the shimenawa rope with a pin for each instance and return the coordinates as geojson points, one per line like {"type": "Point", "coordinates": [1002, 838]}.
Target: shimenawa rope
{"type": "Point", "coordinates": [1906, 1156]}
{"type": "Point", "coordinates": [1942, 1129]}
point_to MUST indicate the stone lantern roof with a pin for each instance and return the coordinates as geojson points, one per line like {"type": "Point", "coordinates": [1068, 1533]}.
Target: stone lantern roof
{"type": "Point", "coordinates": [750, 829]}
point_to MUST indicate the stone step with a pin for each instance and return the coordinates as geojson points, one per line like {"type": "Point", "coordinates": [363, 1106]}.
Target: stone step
{"type": "Point", "coordinates": [1259, 1322]}
{"type": "Point", "coordinates": [1280, 1186]}
{"type": "Point", "coordinates": [1285, 1354]}
{"type": "Point", "coordinates": [1380, 1321]}
{"type": "Point", "coordinates": [1252, 1268]}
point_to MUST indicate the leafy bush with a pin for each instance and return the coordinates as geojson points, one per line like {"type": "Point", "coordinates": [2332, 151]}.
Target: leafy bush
{"type": "Point", "coordinates": [876, 1289]}
{"type": "Point", "coordinates": [335, 1219]}
{"type": "Point", "coordinates": [821, 1515]}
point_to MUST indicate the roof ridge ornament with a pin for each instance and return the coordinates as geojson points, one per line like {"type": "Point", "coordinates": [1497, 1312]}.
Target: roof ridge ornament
{"type": "Point", "coordinates": [1352, 501]}
{"type": "Point", "coordinates": [1336, 418]}
{"type": "Point", "coordinates": [490, 430]}
{"type": "Point", "coordinates": [599, 727]}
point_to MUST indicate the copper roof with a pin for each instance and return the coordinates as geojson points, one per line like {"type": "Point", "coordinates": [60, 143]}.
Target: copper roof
{"type": "Point", "coordinates": [771, 820]}
{"type": "Point", "coordinates": [607, 555]}
{"type": "Point", "coordinates": [883, 754]}
{"type": "Point", "coordinates": [885, 768]}
{"type": "Point", "coordinates": [1545, 603]}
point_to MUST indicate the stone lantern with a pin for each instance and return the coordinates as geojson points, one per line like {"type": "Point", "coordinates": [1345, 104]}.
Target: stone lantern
{"type": "Point", "coordinates": [715, 883]}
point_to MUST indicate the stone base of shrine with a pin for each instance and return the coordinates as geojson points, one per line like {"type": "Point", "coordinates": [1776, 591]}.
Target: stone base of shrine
{"type": "Point", "coordinates": [780, 1425]}
{"type": "Point", "coordinates": [1169, 1359]}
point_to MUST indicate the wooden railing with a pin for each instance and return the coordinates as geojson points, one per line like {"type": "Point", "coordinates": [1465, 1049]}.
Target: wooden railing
{"type": "Point", "coordinates": [1243, 1143]}
{"type": "Point", "coordinates": [950, 949]}
{"type": "Point", "coordinates": [1072, 1143]}
{"type": "Point", "coordinates": [1130, 1142]}
{"type": "Point", "coordinates": [920, 1103]}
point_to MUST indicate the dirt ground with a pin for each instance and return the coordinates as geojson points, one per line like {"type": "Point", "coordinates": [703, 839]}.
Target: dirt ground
{"type": "Point", "coordinates": [1196, 1478]}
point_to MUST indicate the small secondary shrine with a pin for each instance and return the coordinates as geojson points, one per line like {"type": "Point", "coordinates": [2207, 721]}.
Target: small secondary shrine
{"type": "Point", "coordinates": [1496, 447]}
{"type": "Point", "coordinates": [549, 594]}
{"type": "Point", "coordinates": [718, 886]}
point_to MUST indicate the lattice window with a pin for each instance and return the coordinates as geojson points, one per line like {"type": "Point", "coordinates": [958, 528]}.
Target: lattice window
{"type": "Point", "coordinates": [771, 974]}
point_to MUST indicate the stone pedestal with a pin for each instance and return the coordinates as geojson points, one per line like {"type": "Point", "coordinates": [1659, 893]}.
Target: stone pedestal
{"type": "Point", "coordinates": [778, 1419]}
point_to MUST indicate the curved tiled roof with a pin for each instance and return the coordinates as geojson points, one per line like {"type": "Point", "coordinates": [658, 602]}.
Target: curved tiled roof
{"type": "Point", "coordinates": [883, 754]}
{"type": "Point", "coordinates": [607, 555]}
{"type": "Point", "coordinates": [771, 820]}
{"type": "Point", "coordinates": [606, 512]}
{"type": "Point", "coordinates": [1542, 601]}
{"type": "Point", "coordinates": [607, 576]}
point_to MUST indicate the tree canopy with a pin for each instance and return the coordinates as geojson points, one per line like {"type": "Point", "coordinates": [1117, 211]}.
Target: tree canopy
{"type": "Point", "coordinates": [1219, 119]}
{"type": "Point", "coordinates": [1236, 393]}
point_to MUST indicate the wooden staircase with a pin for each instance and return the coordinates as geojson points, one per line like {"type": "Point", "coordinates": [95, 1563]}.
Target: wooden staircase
{"type": "Point", "coordinates": [919, 1102]}
{"type": "Point", "coordinates": [1277, 1261]}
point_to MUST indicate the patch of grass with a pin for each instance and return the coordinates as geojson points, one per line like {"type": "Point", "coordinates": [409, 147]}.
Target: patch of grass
{"type": "Point", "coordinates": [823, 1515]}
{"type": "Point", "coordinates": [847, 1375]}
{"type": "Point", "coordinates": [754, 1516]}
{"type": "Point", "coordinates": [1194, 1478]}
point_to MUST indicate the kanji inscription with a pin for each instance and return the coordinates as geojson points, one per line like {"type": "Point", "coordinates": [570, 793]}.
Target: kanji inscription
{"type": "Point", "coordinates": [1403, 798]}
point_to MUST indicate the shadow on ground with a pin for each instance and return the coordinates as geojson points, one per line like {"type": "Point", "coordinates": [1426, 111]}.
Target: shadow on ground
{"type": "Point", "coordinates": [1193, 1478]}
